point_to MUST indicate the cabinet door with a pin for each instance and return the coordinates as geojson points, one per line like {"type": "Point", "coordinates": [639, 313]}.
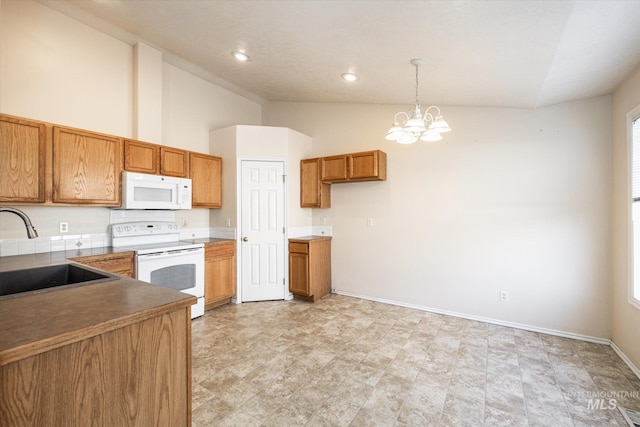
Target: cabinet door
{"type": "Point", "coordinates": [334, 168]}
{"type": "Point", "coordinates": [219, 279]}
{"type": "Point", "coordinates": [141, 157]}
{"type": "Point", "coordinates": [86, 167]}
{"type": "Point", "coordinates": [206, 175]}
{"type": "Point", "coordinates": [22, 160]}
{"type": "Point", "coordinates": [313, 192]}
{"type": "Point", "coordinates": [174, 162]}
{"type": "Point", "coordinates": [369, 165]}
{"type": "Point", "coordinates": [299, 273]}
{"type": "Point", "coordinates": [220, 274]}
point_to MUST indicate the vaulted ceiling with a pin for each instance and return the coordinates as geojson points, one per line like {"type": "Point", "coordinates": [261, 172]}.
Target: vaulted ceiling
{"type": "Point", "coordinates": [519, 54]}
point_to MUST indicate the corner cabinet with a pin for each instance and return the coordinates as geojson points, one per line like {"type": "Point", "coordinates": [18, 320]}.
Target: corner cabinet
{"type": "Point", "coordinates": [205, 172]}
{"type": "Point", "coordinates": [219, 273]}
{"type": "Point", "coordinates": [313, 192]}
{"type": "Point", "coordinates": [310, 267]}
{"type": "Point", "coordinates": [86, 167]}
{"type": "Point", "coordinates": [317, 174]}
{"type": "Point", "coordinates": [22, 160]}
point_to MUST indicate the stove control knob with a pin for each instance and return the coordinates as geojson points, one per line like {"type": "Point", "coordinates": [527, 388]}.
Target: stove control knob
{"type": "Point", "coordinates": [118, 229]}
{"type": "Point", "coordinates": [127, 228]}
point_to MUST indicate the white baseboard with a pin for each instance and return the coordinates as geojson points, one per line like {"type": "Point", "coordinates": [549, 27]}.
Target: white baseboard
{"type": "Point", "coordinates": [625, 359]}
{"type": "Point", "coordinates": [482, 319]}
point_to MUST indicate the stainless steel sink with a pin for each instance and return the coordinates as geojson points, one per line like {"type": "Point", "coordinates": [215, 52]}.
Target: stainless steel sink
{"type": "Point", "coordinates": [40, 279]}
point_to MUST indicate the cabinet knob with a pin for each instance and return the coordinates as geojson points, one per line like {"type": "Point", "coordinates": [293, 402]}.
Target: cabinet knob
{"type": "Point", "coordinates": [245, 239]}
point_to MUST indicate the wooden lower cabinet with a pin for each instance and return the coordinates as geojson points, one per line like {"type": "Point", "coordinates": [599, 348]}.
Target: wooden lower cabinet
{"type": "Point", "coordinates": [310, 267]}
{"type": "Point", "coordinates": [219, 273]}
{"type": "Point", "coordinates": [138, 374]}
{"type": "Point", "coordinates": [119, 263]}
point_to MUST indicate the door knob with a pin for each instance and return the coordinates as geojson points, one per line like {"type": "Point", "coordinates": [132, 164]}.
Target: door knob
{"type": "Point", "coordinates": [245, 239]}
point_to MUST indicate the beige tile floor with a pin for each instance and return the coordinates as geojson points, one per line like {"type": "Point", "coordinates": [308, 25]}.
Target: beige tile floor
{"type": "Point", "coordinates": [350, 362]}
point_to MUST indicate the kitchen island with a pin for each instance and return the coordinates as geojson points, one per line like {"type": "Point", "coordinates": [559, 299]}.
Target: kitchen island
{"type": "Point", "coordinates": [110, 353]}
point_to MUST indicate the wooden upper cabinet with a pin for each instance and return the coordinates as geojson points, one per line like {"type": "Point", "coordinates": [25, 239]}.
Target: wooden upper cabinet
{"type": "Point", "coordinates": [334, 168]}
{"type": "Point", "coordinates": [141, 157]}
{"type": "Point", "coordinates": [313, 192]}
{"type": "Point", "coordinates": [86, 167]}
{"type": "Point", "coordinates": [205, 172]}
{"type": "Point", "coordinates": [367, 166]}
{"type": "Point", "coordinates": [22, 160]}
{"type": "Point", "coordinates": [364, 166]}
{"type": "Point", "coordinates": [174, 162]}
{"type": "Point", "coordinates": [317, 174]}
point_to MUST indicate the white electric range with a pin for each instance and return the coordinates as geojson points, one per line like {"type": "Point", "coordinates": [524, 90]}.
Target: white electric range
{"type": "Point", "coordinates": [162, 259]}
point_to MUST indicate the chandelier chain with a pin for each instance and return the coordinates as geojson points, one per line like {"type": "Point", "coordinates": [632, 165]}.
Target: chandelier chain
{"type": "Point", "coordinates": [417, 103]}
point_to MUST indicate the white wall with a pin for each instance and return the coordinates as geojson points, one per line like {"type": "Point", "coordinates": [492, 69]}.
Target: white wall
{"type": "Point", "coordinates": [625, 317]}
{"type": "Point", "coordinates": [513, 200]}
{"type": "Point", "coordinates": [236, 143]}
{"type": "Point", "coordinates": [55, 69]}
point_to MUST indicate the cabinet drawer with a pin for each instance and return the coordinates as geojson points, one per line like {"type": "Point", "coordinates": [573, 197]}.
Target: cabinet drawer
{"type": "Point", "coordinates": [219, 250]}
{"type": "Point", "coordinates": [121, 263]}
{"type": "Point", "coordinates": [301, 248]}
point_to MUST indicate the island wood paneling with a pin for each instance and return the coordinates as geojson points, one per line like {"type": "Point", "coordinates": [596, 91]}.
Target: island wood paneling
{"type": "Point", "coordinates": [136, 375]}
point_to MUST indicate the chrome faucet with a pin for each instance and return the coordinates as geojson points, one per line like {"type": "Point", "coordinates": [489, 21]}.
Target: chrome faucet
{"type": "Point", "coordinates": [31, 230]}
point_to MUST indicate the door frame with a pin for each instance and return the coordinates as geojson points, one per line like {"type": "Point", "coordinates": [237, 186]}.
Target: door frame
{"type": "Point", "coordinates": [239, 160]}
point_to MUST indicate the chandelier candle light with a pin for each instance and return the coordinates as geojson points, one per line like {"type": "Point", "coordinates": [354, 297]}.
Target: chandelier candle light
{"type": "Point", "coordinates": [416, 126]}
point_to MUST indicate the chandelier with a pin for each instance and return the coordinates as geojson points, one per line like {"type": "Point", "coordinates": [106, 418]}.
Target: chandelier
{"type": "Point", "coordinates": [427, 127]}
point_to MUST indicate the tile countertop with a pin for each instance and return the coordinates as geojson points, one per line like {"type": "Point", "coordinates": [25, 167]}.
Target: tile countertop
{"type": "Point", "coordinates": [39, 322]}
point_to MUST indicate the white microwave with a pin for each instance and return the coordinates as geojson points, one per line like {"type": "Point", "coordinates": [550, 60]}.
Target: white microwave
{"type": "Point", "coordinates": [145, 191]}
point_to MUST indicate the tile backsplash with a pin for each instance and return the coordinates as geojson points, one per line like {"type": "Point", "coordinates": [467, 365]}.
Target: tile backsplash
{"type": "Point", "coordinates": [10, 247]}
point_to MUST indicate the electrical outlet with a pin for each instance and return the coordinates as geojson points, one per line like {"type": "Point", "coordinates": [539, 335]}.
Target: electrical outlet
{"type": "Point", "coordinates": [184, 222]}
{"type": "Point", "coordinates": [369, 222]}
{"type": "Point", "coordinates": [324, 220]}
{"type": "Point", "coordinates": [228, 222]}
{"type": "Point", "coordinates": [64, 227]}
{"type": "Point", "coordinates": [504, 296]}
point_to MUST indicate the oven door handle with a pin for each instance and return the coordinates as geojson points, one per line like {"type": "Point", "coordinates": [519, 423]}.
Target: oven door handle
{"type": "Point", "coordinates": [167, 254]}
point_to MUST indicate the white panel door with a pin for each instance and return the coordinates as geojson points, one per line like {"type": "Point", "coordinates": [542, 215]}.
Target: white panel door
{"type": "Point", "coordinates": [262, 230]}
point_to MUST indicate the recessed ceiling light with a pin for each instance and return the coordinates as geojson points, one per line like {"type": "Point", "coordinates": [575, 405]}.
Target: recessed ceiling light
{"type": "Point", "coordinates": [350, 77]}
{"type": "Point", "coordinates": [240, 56]}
